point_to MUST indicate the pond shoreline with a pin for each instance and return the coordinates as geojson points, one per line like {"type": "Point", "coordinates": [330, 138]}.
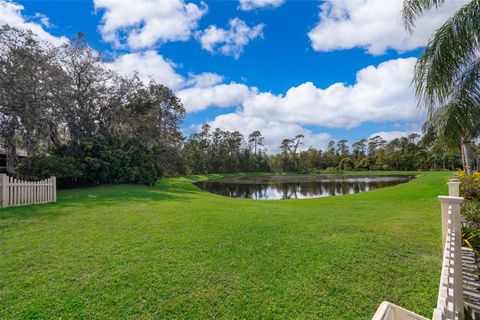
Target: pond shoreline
{"type": "Point", "coordinates": [298, 186]}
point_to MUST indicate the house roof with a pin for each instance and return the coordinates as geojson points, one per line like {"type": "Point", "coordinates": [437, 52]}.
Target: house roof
{"type": "Point", "coordinates": [20, 152]}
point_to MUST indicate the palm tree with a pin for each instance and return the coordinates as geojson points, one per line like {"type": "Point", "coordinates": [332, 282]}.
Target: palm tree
{"type": "Point", "coordinates": [453, 123]}
{"type": "Point", "coordinates": [447, 74]}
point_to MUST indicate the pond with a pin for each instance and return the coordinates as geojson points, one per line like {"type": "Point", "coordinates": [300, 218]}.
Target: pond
{"type": "Point", "coordinates": [298, 187]}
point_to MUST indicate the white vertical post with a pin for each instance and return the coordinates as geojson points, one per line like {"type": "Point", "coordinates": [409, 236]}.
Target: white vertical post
{"type": "Point", "coordinates": [19, 191]}
{"type": "Point", "coordinates": [43, 190]}
{"type": "Point", "coordinates": [4, 191]}
{"type": "Point", "coordinates": [457, 257]}
{"type": "Point", "coordinates": [54, 182]}
{"type": "Point", "coordinates": [29, 193]}
{"type": "Point", "coordinates": [49, 181]}
{"type": "Point", "coordinates": [452, 204]}
{"type": "Point", "coordinates": [15, 191]}
{"type": "Point", "coordinates": [31, 184]}
{"type": "Point", "coordinates": [10, 191]}
{"type": "Point", "coordinates": [453, 188]}
{"type": "Point", "coordinates": [22, 192]}
{"type": "Point", "coordinates": [444, 219]}
{"type": "Point", "coordinates": [445, 202]}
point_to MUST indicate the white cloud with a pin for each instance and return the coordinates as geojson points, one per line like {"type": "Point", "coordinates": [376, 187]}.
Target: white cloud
{"type": "Point", "coordinates": [391, 135]}
{"type": "Point", "coordinates": [11, 14]}
{"type": "Point", "coordinates": [375, 25]}
{"type": "Point", "coordinates": [247, 5]}
{"type": "Point", "coordinates": [148, 65]}
{"type": "Point", "coordinates": [273, 131]}
{"type": "Point", "coordinates": [204, 80]}
{"type": "Point", "coordinates": [143, 23]}
{"type": "Point", "coordinates": [381, 93]}
{"type": "Point", "coordinates": [220, 95]}
{"type": "Point", "coordinates": [44, 20]}
{"type": "Point", "coordinates": [197, 92]}
{"type": "Point", "coordinates": [231, 41]}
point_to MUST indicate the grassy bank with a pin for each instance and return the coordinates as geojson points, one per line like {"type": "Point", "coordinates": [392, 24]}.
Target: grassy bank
{"type": "Point", "coordinates": [173, 251]}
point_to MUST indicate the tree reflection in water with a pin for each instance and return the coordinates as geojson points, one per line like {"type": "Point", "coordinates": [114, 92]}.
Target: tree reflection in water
{"type": "Point", "coordinates": [297, 187]}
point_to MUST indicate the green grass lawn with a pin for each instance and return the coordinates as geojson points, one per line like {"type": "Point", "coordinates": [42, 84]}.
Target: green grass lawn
{"type": "Point", "coordinates": [173, 251]}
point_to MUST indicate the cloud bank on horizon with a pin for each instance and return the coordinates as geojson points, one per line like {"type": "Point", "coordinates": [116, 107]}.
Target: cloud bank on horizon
{"type": "Point", "coordinates": [381, 92]}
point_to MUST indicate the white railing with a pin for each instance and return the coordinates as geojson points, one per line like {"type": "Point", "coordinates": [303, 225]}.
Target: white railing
{"type": "Point", "coordinates": [450, 293]}
{"type": "Point", "coordinates": [450, 304]}
{"type": "Point", "coordinates": [390, 311]}
{"type": "Point", "coordinates": [14, 192]}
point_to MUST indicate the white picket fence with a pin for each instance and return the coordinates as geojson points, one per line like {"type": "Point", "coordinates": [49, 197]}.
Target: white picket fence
{"type": "Point", "coordinates": [15, 192]}
{"type": "Point", "coordinates": [450, 303]}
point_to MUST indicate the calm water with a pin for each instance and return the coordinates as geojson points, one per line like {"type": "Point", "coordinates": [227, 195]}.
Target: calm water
{"type": "Point", "coordinates": [297, 187]}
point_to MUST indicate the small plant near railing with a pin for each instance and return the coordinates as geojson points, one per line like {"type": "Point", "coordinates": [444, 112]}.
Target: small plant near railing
{"type": "Point", "coordinates": [471, 211]}
{"type": "Point", "coordinates": [469, 185]}
{"type": "Point", "coordinates": [471, 238]}
{"type": "Point", "coordinates": [470, 190]}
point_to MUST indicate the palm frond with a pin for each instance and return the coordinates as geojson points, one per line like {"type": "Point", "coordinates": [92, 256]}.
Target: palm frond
{"type": "Point", "coordinates": [466, 91]}
{"type": "Point", "coordinates": [453, 121]}
{"type": "Point", "coordinates": [452, 48]}
{"type": "Point", "coordinates": [412, 9]}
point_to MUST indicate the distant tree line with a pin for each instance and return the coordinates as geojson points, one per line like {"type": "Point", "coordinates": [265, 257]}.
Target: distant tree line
{"type": "Point", "coordinates": [84, 123]}
{"type": "Point", "coordinates": [217, 151]}
{"type": "Point", "coordinates": [406, 153]}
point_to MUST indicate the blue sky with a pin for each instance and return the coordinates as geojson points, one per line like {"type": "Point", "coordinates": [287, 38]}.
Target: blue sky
{"type": "Point", "coordinates": [336, 69]}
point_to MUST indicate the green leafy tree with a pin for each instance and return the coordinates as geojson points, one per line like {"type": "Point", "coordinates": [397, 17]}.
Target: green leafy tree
{"type": "Point", "coordinates": [29, 78]}
{"type": "Point", "coordinates": [256, 140]}
{"type": "Point", "coordinates": [342, 148]}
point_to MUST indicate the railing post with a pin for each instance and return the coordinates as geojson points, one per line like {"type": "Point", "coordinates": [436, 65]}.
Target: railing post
{"type": "Point", "coordinates": [454, 187]}
{"type": "Point", "coordinates": [456, 220]}
{"type": "Point", "coordinates": [452, 204]}
{"type": "Point", "coordinates": [445, 202]}
{"type": "Point", "coordinates": [54, 189]}
{"type": "Point", "coordinates": [4, 190]}
{"type": "Point", "coordinates": [457, 258]}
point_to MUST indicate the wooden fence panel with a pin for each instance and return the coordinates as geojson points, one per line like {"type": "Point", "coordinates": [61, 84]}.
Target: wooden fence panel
{"type": "Point", "coordinates": [14, 192]}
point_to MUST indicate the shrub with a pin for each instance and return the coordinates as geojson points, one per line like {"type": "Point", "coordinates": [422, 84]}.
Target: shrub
{"type": "Point", "coordinates": [67, 169]}
{"type": "Point", "coordinates": [361, 164]}
{"type": "Point", "coordinates": [345, 164]}
{"type": "Point", "coordinates": [109, 160]}
{"type": "Point", "coordinates": [469, 185]}
{"type": "Point", "coordinates": [471, 210]}
{"type": "Point", "coordinates": [332, 170]}
{"type": "Point", "coordinates": [102, 159]}
{"type": "Point", "coordinates": [142, 165]}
